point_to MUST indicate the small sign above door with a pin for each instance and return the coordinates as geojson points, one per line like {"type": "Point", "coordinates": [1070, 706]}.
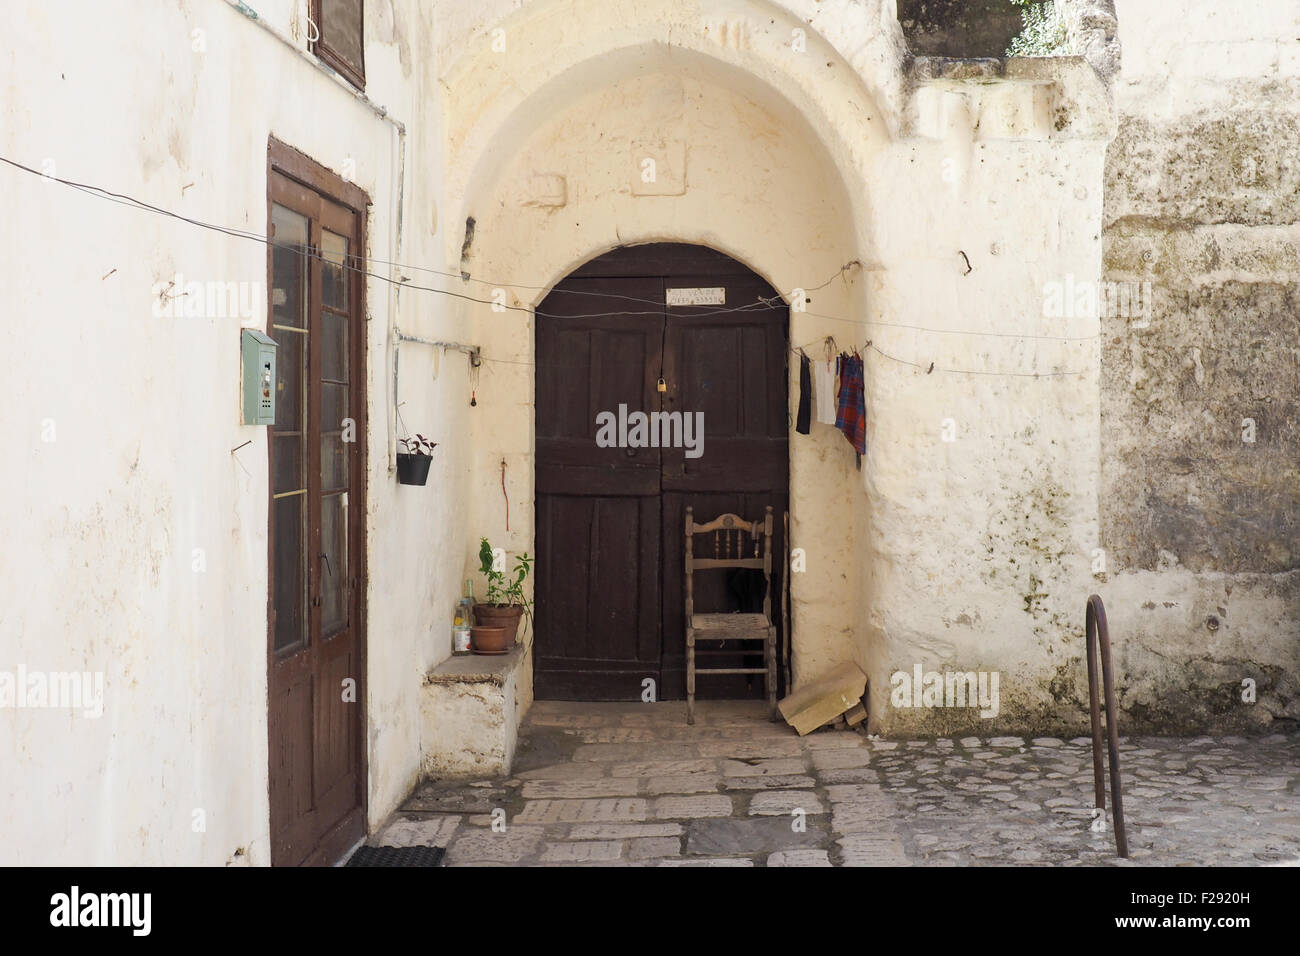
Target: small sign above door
{"type": "Point", "coordinates": [717, 296]}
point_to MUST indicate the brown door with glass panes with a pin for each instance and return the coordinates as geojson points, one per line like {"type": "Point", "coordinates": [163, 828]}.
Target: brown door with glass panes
{"type": "Point", "coordinates": [316, 637]}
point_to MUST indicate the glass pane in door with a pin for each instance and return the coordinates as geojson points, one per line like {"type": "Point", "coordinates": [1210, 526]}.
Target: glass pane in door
{"type": "Point", "coordinates": [337, 436]}
{"type": "Point", "coordinates": [334, 572]}
{"type": "Point", "coordinates": [290, 585]}
{"type": "Point", "coordinates": [334, 276]}
{"type": "Point", "coordinates": [289, 269]}
{"type": "Point", "coordinates": [289, 264]}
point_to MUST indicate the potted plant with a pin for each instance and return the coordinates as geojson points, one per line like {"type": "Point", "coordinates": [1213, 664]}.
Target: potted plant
{"type": "Point", "coordinates": [413, 463]}
{"type": "Point", "coordinates": [506, 602]}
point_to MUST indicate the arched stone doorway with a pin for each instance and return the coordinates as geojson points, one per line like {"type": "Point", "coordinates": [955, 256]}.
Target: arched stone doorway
{"type": "Point", "coordinates": [613, 339]}
{"type": "Point", "coordinates": [552, 170]}
{"type": "Point", "coordinates": [801, 142]}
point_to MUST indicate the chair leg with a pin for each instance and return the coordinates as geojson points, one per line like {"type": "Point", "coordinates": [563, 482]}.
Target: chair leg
{"type": "Point", "coordinates": [771, 674]}
{"type": "Point", "coordinates": [690, 678]}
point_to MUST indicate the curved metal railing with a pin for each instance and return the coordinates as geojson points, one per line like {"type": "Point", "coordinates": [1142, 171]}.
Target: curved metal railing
{"type": "Point", "coordinates": [1098, 639]}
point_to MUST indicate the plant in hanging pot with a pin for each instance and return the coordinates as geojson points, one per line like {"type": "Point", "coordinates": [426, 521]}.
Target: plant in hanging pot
{"type": "Point", "coordinates": [413, 463]}
{"type": "Point", "coordinates": [506, 601]}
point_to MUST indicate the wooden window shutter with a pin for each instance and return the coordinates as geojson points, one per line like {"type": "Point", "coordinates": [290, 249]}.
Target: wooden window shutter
{"type": "Point", "coordinates": [340, 37]}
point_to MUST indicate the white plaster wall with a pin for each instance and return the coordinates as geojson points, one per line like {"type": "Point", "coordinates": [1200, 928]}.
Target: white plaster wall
{"type": "Point", "coordinates": [101, 524]}
{"type": "Point", "coordinates": [962, 529]}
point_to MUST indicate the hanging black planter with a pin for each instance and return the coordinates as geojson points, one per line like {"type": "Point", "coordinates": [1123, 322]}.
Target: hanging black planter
{"type": "Point", "coordinates": [413, 469]}
{"type": "Point", "coordinates": [413, 466]}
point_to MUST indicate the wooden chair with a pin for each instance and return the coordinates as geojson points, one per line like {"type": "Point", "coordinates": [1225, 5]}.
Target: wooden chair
{"type": "Point", "coordinates": [731, 537]}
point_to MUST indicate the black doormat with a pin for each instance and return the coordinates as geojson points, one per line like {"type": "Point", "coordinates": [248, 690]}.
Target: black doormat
{"type": "Point", "coordinates": [397, 856]}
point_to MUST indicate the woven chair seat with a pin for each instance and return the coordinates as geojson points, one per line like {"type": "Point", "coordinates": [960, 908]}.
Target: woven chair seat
{"type": "Point", "coordinates": [723, 626]}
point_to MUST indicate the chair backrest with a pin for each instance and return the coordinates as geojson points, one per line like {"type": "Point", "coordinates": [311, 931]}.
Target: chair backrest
{"type": "Point", "coordinates": [731, 542]}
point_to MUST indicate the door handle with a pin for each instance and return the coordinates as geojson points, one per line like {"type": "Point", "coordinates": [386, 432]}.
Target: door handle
{"type": "Point", "coordinates": [315, 601]}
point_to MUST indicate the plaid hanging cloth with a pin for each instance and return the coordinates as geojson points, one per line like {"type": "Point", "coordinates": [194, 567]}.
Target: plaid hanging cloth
{"type": "Point", "coordinates": [852, 415]}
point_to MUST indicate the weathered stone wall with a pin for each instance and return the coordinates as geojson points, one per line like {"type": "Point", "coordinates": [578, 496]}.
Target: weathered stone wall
{"type": "Point", "coordinates": [1200, 508]}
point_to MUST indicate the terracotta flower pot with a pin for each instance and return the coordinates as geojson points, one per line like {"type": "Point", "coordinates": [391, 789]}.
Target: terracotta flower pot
{"type": "Point", "coordinates": [489, 640]}
{"type": "Point", "coordinates": [500, 615]}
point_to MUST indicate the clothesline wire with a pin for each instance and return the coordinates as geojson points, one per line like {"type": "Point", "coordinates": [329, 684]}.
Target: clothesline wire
{"type": "Point", "coordinates": [800, 349]}
{"type": "Point", "coordinates": [762, 303]}
{"type": "Point", "coordinates": [796, 349]}
{"type": "Point", "coordinates": [131, 202]}
{"type": "Point", "coordinates": [123, 199]}
{"type": "Point", "coordinates": [922, 328]}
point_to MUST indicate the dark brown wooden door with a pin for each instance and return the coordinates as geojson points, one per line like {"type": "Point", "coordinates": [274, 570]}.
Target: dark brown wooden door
{"type": "Point", "coordinates": [315, 642]}
{"type": "Point", "coordinates": [610, 520]}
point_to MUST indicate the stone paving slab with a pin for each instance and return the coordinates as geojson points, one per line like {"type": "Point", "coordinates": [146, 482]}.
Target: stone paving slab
{"type": "Point", "coordinates": [753, 837]}
{"type": "Point", "coordinates": [486, 846]}
{"type": "Point", "coordinates": [799, 858]}
{"type": "Point", "coordinates": [775, 781]}
{"type": "Point", "coordinates": [699, 782]}
{"type": "Point", "coordinates": [693, 808]}
{"type": "Point", "coordinates": [716, 861]}
{"type": "Point", "coordinates": [756, 767]}
{"type": "Point", "coordinates": [583, 811]}
{"type": "Point", "coordinates": [751, 750]}
{"type": "Point", "coordinates": [784, 803]}
{"type": "Point", "coordinates": [661, 768]}
{"type": "Point", "coordinates": [564, 771]}
{"type": "Point", "coordinates": [840, 740]}
{"type": "Point", "coordinates": [418, 831]}
{"type": "Point", "coordinates": [653, 751]}
{"type": "Point", "coordinates": [841, 759]}
{"type": "Point", "coordinates": [623, 831]}
{"type": "Point", "coordinates": [569, 789]}
{"type": "Point", "coordinates": [585, 851]}
{"type": "Point", "coordinates": [654, 848]}
{"type": "Point", "coordinates": [856, 775]}
{"type": "Point", "coordinates": [861, 849]}
{"type": "Point", "coordinates": [634, 785]}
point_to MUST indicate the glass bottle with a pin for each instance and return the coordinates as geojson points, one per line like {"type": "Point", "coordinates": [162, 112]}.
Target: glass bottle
{"type": "Point", "coordinates": [460, 630]}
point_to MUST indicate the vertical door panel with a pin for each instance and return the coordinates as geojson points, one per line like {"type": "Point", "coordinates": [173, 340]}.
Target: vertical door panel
{"type": "Point", "coordinates": [597, 507]}
{"type": "Point", "coordinates": [732, 366]}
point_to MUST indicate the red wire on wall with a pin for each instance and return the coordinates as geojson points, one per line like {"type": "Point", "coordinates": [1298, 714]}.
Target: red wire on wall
{"type": "Point", "coordinates": [503, 492]}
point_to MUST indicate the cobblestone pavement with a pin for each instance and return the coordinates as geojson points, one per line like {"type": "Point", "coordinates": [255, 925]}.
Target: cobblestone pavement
{"type": "Point", "coordinates": [633, 785]}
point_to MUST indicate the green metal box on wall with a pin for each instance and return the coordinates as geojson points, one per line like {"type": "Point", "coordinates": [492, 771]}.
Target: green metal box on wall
{"type": "Point", "coordinates": [258, 359]}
